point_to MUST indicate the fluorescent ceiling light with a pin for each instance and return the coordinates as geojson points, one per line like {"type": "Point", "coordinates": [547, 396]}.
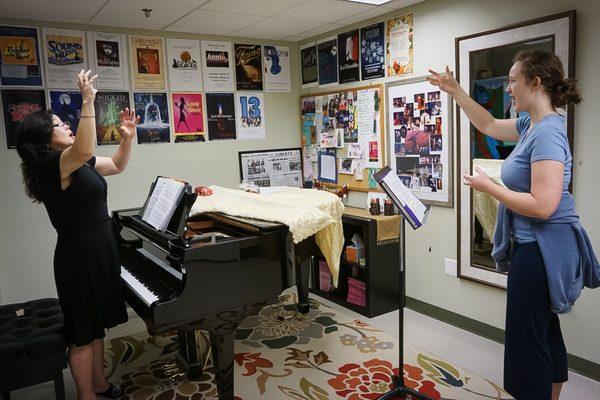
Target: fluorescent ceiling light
{"type": "Point", "coordinates": [375, 2]}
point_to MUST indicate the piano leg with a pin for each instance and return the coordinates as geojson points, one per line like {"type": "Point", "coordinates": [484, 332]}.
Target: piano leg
{"type": "Point", "coordinates": [188, 353]}
{"type": "Point", "coordinates": [302, 272]}
{"type": "Point", "coordinates": [222, 344]}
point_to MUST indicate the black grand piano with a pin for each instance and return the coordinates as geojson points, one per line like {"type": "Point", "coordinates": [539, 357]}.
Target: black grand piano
{"type": "Point", "coordinates": [207, 272]}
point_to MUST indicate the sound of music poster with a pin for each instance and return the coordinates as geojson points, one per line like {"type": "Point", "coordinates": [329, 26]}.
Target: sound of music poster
{"type": "Point", "coordinates": [372, 51]}
{"type": "Point", "coordinates": [20, 62]}
{"type": "Point", "coordinates": [16, 105]}
{"type": "Point", "coordinates": [183, 60]}
{"type": "Point", "coordinates": [66, 105]}
{"type": "Point", "coordinates": [399, 47]}
{"type": "Point", "coordinates": [310, 72]}
{"type": "Point", "coordinates": [147, 62]}
{"type": "Point", "coordinates": [328, 61]}
{"type": "Point", "coordinates": [276, 65]}
{"type": "Point", "coordinates": [108, 59]}
{"type": "Point", "coordinates": [153, 110]}
{"type": "Point", "coordinates": [220, 115]}
{"type": "Point", "coordinates": [250, 112]}
{"type": "Point", "coordinates": [248, 66]}
{"type": "Point", "coordinates": [65, 52]}
{"type": "Point", "coordinates": [107, 107]}
{"type": "Point", "coordinates": [188, 117]}
{"type": "Point", "coordinates": [217, 66]}
{"type": "Point", "coordinates": [348, 57]}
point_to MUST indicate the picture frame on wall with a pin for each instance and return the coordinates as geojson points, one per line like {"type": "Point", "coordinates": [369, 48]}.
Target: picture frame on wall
{"type": "Point", "coordinates": [273, 167]}
{"type": "Point", "coordinates": [419, 138]}
{"type": "Point", "coordinates": [482, 64]}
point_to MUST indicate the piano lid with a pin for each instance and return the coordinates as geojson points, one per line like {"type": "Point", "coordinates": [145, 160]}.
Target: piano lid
{"type": "Point", "coordinates": [251, 224]}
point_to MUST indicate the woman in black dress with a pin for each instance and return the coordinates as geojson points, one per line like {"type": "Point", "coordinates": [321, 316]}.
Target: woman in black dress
{"type": "Point", "coordinates": [61, 171]}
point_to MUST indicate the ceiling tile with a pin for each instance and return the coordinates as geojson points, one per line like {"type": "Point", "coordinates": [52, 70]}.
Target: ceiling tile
{"type": "Point", "coordinates": [129, 14]}
{"type": "Point", "coordinates": [252, 7]}
{"type": "Point", "coordinates": [179, 3]}
{"type": "Point", "coordinates": [277, 28]}
{"type": "Point", "coordinates": [320, 30]}
{"type": "Point", "coordinates": [58, 10]}
{"type": "Point", "coordinates": [397, 4]}
{"type": "Point", "coordinates": [363, 16]}
{"type": "Point", "coordinates": [213, 22]}
{"type": "Point", "coordinates": [325, 10]}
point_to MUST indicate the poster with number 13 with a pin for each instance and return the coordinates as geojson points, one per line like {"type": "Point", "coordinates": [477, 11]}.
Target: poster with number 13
{"type": "Point", "coordinates": [250, 112]}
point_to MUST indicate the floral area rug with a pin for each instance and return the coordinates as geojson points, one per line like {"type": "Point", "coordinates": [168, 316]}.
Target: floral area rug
{"type": "Point", "coordinates": [326, 355]}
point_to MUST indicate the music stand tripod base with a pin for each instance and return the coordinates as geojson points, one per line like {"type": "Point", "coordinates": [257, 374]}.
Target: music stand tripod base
{"type": "Point", "coordinates": [401, 391]}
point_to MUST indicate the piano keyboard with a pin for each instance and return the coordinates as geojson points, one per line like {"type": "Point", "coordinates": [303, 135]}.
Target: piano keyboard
{"type": "Point", "coordinates": [138, 287]}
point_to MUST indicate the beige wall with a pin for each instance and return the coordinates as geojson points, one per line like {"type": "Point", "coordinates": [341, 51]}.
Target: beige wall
{"type": "Point", "coordinates": [437, 23]}
{"type": "Point", "coordinates": [27, 239]}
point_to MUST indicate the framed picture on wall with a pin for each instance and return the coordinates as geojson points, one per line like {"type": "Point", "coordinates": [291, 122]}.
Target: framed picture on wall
{"type": "Point", "coordinates": [277, 167]}
{"type": "Point", "coordinates": [482, 64]}
{"type": "Point", "coordinates": [419, 129]}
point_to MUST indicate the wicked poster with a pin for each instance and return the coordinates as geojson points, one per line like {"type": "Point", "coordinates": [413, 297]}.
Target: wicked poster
{"type": "Point", "coordinates": [16, 105]}
{"type": "Point", "coordinates": [153, 111]}
{"type": "Point", "coordinates": [348, 57]}
{"type": "Point", "coordinates": [20, 63]}
{"type": "Point", "coordinates": [220, 115]}
{"type": "Point", "coordinates": [107, 107]}
{"type": "Point", "coordinates": [248, 66]}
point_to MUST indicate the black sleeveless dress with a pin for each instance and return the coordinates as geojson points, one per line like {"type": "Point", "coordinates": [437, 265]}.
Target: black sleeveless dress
{"type": "Point", "coordinates": [86, 262]}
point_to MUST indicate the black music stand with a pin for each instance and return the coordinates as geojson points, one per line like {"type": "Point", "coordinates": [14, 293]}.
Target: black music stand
{"type": "Point", "coordinates": [400, 389]}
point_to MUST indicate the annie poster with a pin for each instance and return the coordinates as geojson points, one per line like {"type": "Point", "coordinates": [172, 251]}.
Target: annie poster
{"type": "Point", "coordinates": [107, 106]}
{"type": "Point", "coordinates": [188, 117]}
{"type": "Point", "coordinates": [220, 115]}
{"type": "Point", "coordinates": [147, 62]}
{"type": "Point", "coordinates": [65, 52]}
{"type": "Point", "coordinates": [16, 105]}
{"type": "Point", "coordinates": [20, 62]}
{"type": "Point", "coordinates": [67, 106]}
{"type": "Point", "coordinates": [248, 66]}
{"type": "Point", "coordinates": [153, 110]}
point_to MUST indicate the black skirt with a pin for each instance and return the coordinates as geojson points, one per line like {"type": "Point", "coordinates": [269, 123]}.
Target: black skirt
{"type": "Point", "coordinates": [87, 275]}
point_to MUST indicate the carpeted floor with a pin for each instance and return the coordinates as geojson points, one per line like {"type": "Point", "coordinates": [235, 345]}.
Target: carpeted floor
{"type": "Point", "coordinates": [327, 355]}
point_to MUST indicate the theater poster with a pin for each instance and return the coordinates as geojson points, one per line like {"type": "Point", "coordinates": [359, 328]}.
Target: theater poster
{"type": "Point", "coordinates": [220, 115]}
{"type": "Point", "coordinates": [399, 45]}
{"type": "Point", "coordinates": [65, 52]}
{"type": "Point", "coordinates": [16, 105]}
{"type": "Point", "coordinates": [147, 62]}
{"type": "Point", "coordinates": [310, 69]}
{"type": "Point", "coordinates": [328, 62]}
{"type": "Point", "coordinates": [276, 67]}
{"type": "Point", "coordinates": [250, 113]}
{"type": "Point", "coordinates": [248, 66]}
{"type": "Point", "coordinates": [153, 111]}
{"type": "Point", "coordinates": [108, 59]}
{"type": "Point", "coordinates": [217, 66]}
{"type": "Point", "coordinates": [372, 51]}
{"type": "Point", "coordinates": [188, 117]}
{"type": "Point", "coordinates": [348, 57]}
{"type": "Point", "coordinates": [20, 62]}
{"type": "Point", "coordinates": [66, 104]}
{"type": "Point", "coordinates": [107, 106]}
{"type": "Point", "coordinates": [183, 61]}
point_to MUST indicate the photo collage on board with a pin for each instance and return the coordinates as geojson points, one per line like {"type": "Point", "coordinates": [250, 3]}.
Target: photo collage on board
{"type": "Point", "coordinates": [417, 124]}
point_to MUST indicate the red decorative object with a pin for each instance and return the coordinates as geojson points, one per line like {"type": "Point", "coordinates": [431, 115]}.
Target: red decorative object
{"type": "Point", "coordinates": [203, 191]}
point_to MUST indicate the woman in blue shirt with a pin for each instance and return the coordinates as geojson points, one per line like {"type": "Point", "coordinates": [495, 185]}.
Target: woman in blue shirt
{"type": "Point", "coordinates": [537, 175]}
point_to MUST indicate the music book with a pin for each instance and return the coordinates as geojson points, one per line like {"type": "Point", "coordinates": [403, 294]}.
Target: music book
{"type": "Point", "coordinates": [413, 210]}
{"type": "Point", "coordinates": [162, 202]}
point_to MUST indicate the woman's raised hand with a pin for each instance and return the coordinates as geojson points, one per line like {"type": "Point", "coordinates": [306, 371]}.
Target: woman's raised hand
{"type": "Point", "coordinates": [86, 85]}
{"type": "Point", "coordinates": [445, 81]}
{"type": "Point", "coordinates": [128, 123]}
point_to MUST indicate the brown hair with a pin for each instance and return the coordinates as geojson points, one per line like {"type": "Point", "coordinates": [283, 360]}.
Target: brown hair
{"type": "Point", "coordinates": [548, 67]}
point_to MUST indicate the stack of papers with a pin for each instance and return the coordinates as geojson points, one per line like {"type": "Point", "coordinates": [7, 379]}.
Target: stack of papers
{"type": "Point", "coordinates": [162, 202]}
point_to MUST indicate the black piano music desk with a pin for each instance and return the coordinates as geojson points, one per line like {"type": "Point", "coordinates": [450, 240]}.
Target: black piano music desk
{"type": "Point", "coordinates": [380, 272]}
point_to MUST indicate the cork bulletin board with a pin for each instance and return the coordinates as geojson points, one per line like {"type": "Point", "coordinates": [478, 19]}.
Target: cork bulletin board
{"type": "Point", "coordinates": [348, 124]}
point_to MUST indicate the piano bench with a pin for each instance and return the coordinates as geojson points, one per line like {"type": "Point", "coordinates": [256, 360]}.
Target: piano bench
{"type": "Point", "coordinates": [32, 346]}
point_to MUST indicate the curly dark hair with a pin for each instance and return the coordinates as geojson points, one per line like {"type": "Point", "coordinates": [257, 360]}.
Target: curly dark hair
{"type": "Point", "coordinates": [548, 67]}
{"type": "Point", "coordinates": [33, 143]}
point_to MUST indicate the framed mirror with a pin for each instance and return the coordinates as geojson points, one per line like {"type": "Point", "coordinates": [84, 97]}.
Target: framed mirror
{"type": "Point", "coordinates": [482, 64]}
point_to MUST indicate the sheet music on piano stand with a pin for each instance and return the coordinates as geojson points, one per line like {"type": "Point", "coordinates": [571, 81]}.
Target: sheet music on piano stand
{"type": "Point", "coordinates": [413, 210]}
{"type": "Point", "coordinates": [165, 195]}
